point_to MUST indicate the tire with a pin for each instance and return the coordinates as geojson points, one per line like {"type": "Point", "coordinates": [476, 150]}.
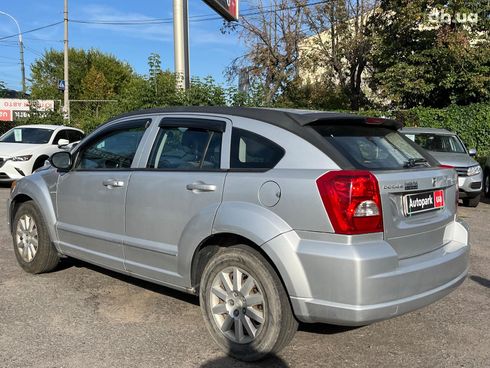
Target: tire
{"type": "Point", "coordinates": [29, 227]}
{"type": "Point", "coordinates": [271, 324]}
{"type": "Point", "coordinates": [39, 162]}
{"type": "Point", "coordinates": [471, 202]}
{"type": "Point", "coordinates": [486, 183]}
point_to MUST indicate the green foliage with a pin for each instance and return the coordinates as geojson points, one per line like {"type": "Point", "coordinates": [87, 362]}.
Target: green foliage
{"type": "Point", "coordinates": [2, 89]}
{"type": "Point", "coordinates": [471, 123]}
{"type": "Point", "coordinates": [86, 68]}
{"type": "Point", "coordinates": [419, 61]}
{"type": "Point", "coordinates": [318, 96]}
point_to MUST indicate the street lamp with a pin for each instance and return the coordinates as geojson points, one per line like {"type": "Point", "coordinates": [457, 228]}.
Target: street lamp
{"type": "Point", "coordinates": [21, 46]}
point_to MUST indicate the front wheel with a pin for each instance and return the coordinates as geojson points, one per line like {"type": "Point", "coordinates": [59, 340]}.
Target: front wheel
{"type": "Point", "coordinates": [33, 249]}
{"type": "Point", "coordinates": [486, 183]}
{"type": "Point", "coordinates": [471, 202]}
{"type": "Point", "coordinates": [244, 304]}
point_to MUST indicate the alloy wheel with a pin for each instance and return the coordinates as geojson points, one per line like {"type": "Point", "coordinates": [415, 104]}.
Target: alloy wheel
{"type": "Point", "coordinates": [26, 237]}
{"type": "Point", "coordinates": [238, 305]}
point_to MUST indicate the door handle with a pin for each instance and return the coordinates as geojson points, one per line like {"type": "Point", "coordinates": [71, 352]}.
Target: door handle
{"type": "Point", "coordinates": [201, 187]}
{"type": "Point", "coordinates": [113, 183]}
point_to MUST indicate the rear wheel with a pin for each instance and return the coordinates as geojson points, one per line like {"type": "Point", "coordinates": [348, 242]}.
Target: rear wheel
{"type": "Point", "coordinates": [244, 304]}
{"type": "Point", "coordinates": [33, 249]}
{"type": "Point", "coordinates": [471, 202]}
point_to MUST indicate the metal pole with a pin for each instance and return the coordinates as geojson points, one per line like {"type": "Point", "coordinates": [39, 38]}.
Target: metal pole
{"type": "Point", "coordinates": [181, 43]}
{"type": "Point", "coordinates": [21, 46]}
{"type": "Point", "coordinates": [66, 95]}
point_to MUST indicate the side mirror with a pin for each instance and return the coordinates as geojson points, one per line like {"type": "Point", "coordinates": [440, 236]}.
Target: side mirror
{"type": "Point", "coordinates": [472, 152]}
{"type": "Point", "coordinates": [61, 160]}
{"type": "Point", "coordinates": [63, 142]}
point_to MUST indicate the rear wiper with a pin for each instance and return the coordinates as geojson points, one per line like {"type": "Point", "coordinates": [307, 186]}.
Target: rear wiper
{"type": "Point", "coordinates": [414, 162]}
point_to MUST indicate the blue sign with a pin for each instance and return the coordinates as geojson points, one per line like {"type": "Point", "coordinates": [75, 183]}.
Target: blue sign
{"type": "Point", "coordinates": [61, 84]}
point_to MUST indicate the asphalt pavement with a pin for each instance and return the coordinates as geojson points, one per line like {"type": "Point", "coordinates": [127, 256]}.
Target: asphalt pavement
{"type": "Point", "coordinates": [84, 316]}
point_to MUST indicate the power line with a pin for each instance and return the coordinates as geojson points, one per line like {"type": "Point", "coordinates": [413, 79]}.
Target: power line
{"type": "Point", "coordinates": [32, 30]}
{"type": "Point", "coordinates": [195, 18]}
{"type": "Point", "coordinates": [42, 39]}
{"type": "Point", "coordinates": [6, 57]}
{"type": "Point", "coordinates": [35, 52]}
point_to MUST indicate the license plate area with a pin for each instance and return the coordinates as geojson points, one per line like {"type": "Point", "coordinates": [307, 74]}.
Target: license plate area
{"type": "Point", "coordinates": [423, 202]}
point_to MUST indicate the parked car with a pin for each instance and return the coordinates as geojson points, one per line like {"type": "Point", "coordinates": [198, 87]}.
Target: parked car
{"type": "Point", "coordinates": [25, 148]}
{"type": "Point", "coordinates": [486, 178]}
{"type": "Point", "coordinates": [270, 216]}
{"type": "Point", "coordinates": [447, 148]}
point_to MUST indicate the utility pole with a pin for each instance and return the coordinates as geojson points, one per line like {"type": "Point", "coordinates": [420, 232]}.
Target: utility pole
{"type": "Point", "coordinates": [21, 46]}
{"type": "Point", "coordinates": [181, 43]}
{"type": "Point", "coordinates": [66, 95]}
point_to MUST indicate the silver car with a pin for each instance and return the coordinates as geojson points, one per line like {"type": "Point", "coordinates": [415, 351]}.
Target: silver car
{"type": "Point", "coordinates": [448, 149]}
{"type": "Point", "coordinates": [270, 216]}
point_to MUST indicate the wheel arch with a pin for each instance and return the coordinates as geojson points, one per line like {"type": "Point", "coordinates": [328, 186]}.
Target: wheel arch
{"type": "Point", "coordinates": [34, 188]}
{"type": "Point", "coordinates": [40, 159]}
{"type": "Point", "coordinates": [14, 205]}
{"type": "Point", "coordinates": [212, 244]}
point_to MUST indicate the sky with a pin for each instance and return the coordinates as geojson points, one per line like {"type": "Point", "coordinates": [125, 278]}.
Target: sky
{"type": "Point", "coordinates": [210, 50]}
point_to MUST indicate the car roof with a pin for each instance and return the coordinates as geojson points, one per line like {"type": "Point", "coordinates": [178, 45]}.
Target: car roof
{"type": "Point", "coordinates": [427, 131]}
{"type": "Point", "coordinates": [46, 126]}
{"type": "Point", "coordinates": [289, 119]}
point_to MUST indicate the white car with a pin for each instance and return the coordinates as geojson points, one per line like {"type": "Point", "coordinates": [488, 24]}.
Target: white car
{"type": "Point", "coordinates": [25, 148]}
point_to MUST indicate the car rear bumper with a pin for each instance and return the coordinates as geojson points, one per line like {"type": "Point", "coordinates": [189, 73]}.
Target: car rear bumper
{"type": "Point", "coordinates": [364, 281]}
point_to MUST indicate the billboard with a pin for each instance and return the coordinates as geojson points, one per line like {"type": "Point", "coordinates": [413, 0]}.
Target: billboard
{"type": "Point", "coordinates": [228, 9]}
{"type": "Point", "coordinates": [15, 108]}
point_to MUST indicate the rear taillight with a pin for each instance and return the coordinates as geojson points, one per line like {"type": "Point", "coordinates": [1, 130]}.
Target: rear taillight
{"type": "Point", "coordinates": [352, 201]}
{"type": "Point", "coordinates": [455, 178]}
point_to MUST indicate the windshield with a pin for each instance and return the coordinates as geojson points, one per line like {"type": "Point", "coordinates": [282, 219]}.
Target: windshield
{"type": "Point", "coordinates": [437, 143]}
{"type": "Point", "coordinates": [27, 135]}
{"type": "Point", "coordinates": [373, 148]}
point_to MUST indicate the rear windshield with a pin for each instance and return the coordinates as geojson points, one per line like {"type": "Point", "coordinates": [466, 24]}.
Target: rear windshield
{"type": "Point", "coordinates": [373, 148]}
{"type": "Point", "coordinates": [437, 142]}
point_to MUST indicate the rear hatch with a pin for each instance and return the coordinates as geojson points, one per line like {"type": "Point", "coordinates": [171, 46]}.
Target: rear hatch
{"type": "Point", "coordinates": [417, 205]}
{"type": "Point", "coordinates": [418, 196]}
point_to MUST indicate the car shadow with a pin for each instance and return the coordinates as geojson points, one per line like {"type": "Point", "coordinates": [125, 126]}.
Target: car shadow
{"type": "Point", "coordinates": [227, 362]}
{"type": "Point", "coordinates": [173, 293]}
{"type": "Point", "coordinates": [325, 329]}
{"type": "Point", "coordinates": [66, 263]}
{"type": "Point", "coordinates": [484, 199]}
{"type": "Point", "coordinates": [481, 280]}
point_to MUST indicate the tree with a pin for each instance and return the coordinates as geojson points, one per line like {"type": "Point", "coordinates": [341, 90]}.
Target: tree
{"type": "Point", "coordinates": [271, 36]}
{"type": "Point", "coordinates": [93, 76]}
{"type": "Point", "coordinates": [430, 53]}
{"type": "Point", "coordinates": [2, 89]}
{"type": "Point", "coordinates": [48, 70]}
{"type": "Point", "coordinates": [339, 45]}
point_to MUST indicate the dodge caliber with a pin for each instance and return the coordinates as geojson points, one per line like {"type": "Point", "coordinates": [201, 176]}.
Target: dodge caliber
{"type": "Point", "coordinates": [271, 216]}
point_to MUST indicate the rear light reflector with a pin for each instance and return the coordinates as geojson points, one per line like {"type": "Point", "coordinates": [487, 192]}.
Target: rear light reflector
{"type": "Point", "coordinates": [352, 201]}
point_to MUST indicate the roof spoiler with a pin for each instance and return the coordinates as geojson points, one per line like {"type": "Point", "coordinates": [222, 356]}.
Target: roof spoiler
{"type": "Point", "coordinates": [318, 119]}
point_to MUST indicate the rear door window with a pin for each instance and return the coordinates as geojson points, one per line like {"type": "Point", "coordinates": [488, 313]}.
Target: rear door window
{"type": "Point", "coordinates": [186, 148]}
{"type": "Point", "coordinates": [373, 148]}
